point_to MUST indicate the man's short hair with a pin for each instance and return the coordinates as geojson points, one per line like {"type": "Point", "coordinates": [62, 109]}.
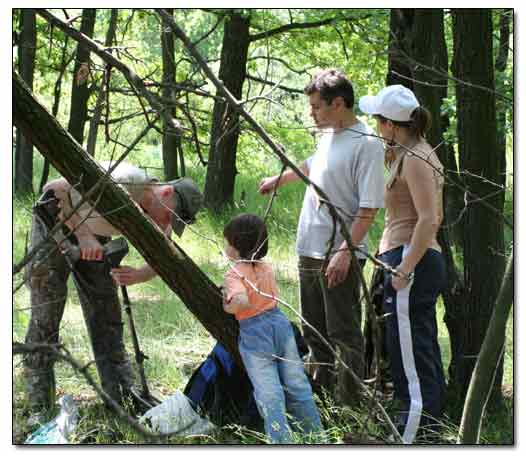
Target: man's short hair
{"type": "Point", "coordinates": [332, 83]}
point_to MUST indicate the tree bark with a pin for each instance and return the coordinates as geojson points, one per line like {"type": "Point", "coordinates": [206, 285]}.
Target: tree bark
{"type": "Point", "coordinates": [103, 91]}
{"type": "Point", "coordinates": [80, 91]}
{"type": "Point", "coordinates": [502, 106]}
{"type": "Point", "coordinates": [483, 230]}
{"type": "Point", "coordinates": [202, 297]}
{"type": "Point", "coordinates": [431, 88]}
{"type": "Point", "coordinates": [489, 359]}
{"type": "Point", "coordinates": [400, 37]}
{"type": "Point", "coordinates": [26, 63]}
{"type": "Point", "coordinates": [221, 170]}
{"type": "Point", "coordinates": [171, 144]}
{"type": "Point", "coordinates": [57, 92]}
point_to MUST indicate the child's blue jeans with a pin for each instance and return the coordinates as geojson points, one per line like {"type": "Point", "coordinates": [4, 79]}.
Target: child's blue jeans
{"type": "Point", "coordinates": [269, 352]}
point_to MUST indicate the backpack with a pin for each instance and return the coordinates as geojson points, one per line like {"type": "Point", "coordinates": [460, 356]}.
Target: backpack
{"type": "Point", "coordinates": [222, 391]}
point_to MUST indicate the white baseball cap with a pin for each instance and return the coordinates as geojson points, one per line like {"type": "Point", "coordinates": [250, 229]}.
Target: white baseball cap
{"type": "Point", "coordinates": [394, 102]}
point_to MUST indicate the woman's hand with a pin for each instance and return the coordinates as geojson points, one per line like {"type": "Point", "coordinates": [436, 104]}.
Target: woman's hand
{"type": "Point", "coordinates": [399, 283]}
{"type": "Point", "coordinates": [402, 280]}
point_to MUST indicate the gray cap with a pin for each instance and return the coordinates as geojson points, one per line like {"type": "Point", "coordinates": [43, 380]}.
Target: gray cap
{"type": "Point", "coordinates": [188, 201]}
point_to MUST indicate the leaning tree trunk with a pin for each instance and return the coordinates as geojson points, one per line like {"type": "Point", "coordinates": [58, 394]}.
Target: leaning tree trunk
{"type": "Point", "coordinates": [79, 88]}
{"type": "Point", "coordinates": [202, 297]}
{"type": "Point", "coordinates": [26, 63]}
{"type": "Point", "coordinates": [477, 145]}
{"type": "Point", "coordinates": [490, 358]}
{"type": "Point", "coordinates": [171, 139]}
{"type": "Point", "coordinates": [221, 170]}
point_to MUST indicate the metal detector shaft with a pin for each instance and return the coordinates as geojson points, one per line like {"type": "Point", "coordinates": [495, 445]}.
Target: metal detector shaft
{"type": "Point", "coordinates": [139, 355]}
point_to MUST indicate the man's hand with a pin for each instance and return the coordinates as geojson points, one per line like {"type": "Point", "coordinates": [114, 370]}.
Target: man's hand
{"type": "Point", "coordinates": [338, 268]}
{"type": "Point", "coordinates": [126, 275]}
{"type": "Point", "coordinates": [268, 184]}
{"type": "Point", "coordinates": [90, 249]}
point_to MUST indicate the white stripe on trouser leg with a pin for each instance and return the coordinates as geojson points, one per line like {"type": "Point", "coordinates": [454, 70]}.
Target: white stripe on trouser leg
{"type": "Point", "coordinates": [408, 361]}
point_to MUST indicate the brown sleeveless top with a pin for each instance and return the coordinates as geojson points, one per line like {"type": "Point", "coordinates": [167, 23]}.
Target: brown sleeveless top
{"type": "Point", "coordinates": [400, 213]}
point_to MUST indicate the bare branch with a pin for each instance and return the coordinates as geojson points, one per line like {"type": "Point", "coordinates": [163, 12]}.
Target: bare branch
{"type": "Point", "coordinates": [220, 17]}
{"type": "Point", "coordinates": [134, 80]}
{"type": "Point", "coordinates": [295, 26]}
{"type": "Point", "coordinates": [446, 74]}
{"type": "Point", "coordinates": [271, 83]}
{"type": "Point", "coordinates": [60, 352]}
{"type": "Point", "coordinates": [283, 62]}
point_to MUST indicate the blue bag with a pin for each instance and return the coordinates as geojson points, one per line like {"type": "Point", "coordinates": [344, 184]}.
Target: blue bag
{"type": "Point", "coordinates": [222, 391]}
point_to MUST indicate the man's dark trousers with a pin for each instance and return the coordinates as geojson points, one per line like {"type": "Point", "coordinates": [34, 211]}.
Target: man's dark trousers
{"type": "Point", "coordinates": [336, 314]}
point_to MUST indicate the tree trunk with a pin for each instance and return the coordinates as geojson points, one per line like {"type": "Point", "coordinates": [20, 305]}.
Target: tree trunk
{"type": "Point", "coordinates": [490, 358]}
{"type": "Point", "coordinates": [181, 159]}
{"type": "Point", "coordinates": [171, 139]}
{"type": "Point", "coordinates": [26, 62]}
{"type": "Point", "coordinates": [57, 92]}
{"type": "Point", "coordinates": [483, 230]}
{"type": "Point", "coordinates": [202, 297]}
{"type": "Point", "coordinates": [398, 67]}
{"type": "Point", "coordinates": [221, 170]}
{"type": "Point", "coordinates": [502, 106]}
{"type": "Point", "coordinates": [103, 91]}
{"type": "Point", "coordinates": [79, 90]}
{"type": "Point", "coordinates": [428, 33]}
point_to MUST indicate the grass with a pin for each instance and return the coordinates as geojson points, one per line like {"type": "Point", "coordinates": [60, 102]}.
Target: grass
{"type": "Point", "coordinates": [176, 342]}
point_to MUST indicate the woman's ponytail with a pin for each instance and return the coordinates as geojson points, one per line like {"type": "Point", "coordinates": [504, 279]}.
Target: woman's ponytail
{"type": "Point", "coordinates": [420, 122]}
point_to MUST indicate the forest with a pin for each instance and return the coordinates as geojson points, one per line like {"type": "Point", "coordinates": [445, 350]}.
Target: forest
{"type": "Point", "coordinates": [217, 95]}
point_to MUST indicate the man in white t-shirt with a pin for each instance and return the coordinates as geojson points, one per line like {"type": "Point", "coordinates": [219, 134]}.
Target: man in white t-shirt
{"type": "Point", "coordinates": [171, 205]}
{"type": "Point", "coordinates": [348, 167]}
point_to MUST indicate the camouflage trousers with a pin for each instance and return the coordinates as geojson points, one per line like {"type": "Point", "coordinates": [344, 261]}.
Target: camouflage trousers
{"type": "Point", "coordinates": [47, 275]}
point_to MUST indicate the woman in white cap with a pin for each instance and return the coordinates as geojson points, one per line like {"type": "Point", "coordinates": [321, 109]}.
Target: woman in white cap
{"type": "Point", "coordinates": [413, 202]}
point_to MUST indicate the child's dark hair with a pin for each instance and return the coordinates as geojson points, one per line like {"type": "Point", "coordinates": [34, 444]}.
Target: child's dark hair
{"type": "Point", "coordinates": [418, 125]}
{"type": "Point", "coordinates": [248, 234]}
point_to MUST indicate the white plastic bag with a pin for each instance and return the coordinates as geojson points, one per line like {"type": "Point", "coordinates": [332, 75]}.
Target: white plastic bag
{"type": "Point", "coordinates": [175, 414]}
{"type": "Point", "coordinates": [57, 430]}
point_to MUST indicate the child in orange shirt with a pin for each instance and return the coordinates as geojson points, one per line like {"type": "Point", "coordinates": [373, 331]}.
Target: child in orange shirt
{"type": "Point", "coordinates": [266, 340]}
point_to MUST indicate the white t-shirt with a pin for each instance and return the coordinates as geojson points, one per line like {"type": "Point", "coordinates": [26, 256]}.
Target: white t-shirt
{"type": "Point", "coordinates": [348, 167]}
{"type": "Point", "coordinates": [131, 178]}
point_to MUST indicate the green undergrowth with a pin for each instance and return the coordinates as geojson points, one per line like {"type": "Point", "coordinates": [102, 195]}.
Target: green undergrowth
{"type": "Point", "coordinates": [176, 343]}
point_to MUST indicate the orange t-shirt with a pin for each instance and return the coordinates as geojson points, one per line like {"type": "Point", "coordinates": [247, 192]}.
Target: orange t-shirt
{"type": "Point", "coordinates": [252, 279]}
